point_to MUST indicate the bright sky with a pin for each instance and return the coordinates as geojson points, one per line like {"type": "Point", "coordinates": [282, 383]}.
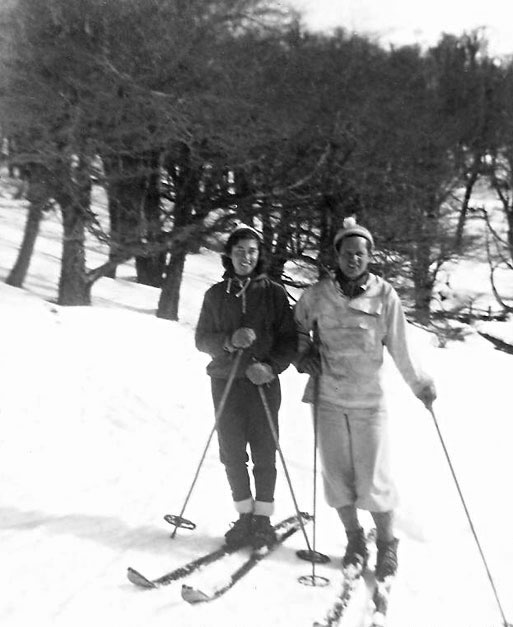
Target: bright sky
{"type": "Point", "coordinates": [409, 21]}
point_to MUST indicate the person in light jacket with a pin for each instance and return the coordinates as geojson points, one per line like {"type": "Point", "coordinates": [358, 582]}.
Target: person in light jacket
{"type": "Point", "coordinates": [247, 312]}
{"type": "Point", "coordinates": [356, 314]}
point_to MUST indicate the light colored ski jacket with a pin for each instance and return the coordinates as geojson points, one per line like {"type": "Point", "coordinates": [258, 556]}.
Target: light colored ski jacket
{"type": "Point", "coordinates": [352, 333]}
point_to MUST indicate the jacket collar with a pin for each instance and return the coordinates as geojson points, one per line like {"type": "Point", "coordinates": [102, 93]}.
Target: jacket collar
{"type": "Point", "coordinates": [236, 282]}
{"type": "Point", "coordinates": [352, 288]}
{"type": "Point", "coordinates": [240, 285]}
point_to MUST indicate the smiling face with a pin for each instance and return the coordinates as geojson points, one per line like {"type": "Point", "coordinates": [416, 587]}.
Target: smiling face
{"type": "Point", "coordinates": [353, 256]}
{"type": "Point", "coordinates": [244, 255]}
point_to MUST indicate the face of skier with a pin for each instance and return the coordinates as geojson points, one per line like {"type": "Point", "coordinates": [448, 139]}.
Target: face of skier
{"type": "Point", "coordinates": [244, 255]}
{"type": "Point", "coordinates": [353, 256]}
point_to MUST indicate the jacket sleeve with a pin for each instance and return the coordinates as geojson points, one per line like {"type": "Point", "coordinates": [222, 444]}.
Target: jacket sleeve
{"type": "Point", "coordinates": [208, 337]}
{"type": "Point", "coordinates": [284, 330]}
{"type": "Point", "coordinates": [396, 341]}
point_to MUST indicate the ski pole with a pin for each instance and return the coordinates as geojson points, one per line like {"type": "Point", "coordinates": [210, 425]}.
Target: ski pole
{"type": "Point", "coordinates": [313, 579]}
{"type": "Point", "coordinates": [319, 557]}
{"type": "Point", "coordinates": [481, 552]}
{"type": "Point", "coordinates": [179, 521]}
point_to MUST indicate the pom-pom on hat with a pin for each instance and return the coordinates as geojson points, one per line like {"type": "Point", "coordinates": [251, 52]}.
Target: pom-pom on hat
{"type": "Point", "coordinates": [350, 228]}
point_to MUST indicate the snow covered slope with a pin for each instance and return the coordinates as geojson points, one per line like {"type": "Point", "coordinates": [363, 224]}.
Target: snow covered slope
{"type": "Point", "coordinates": [104, 413]}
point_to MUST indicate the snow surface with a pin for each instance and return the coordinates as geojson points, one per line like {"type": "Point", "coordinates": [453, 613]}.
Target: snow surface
{"type": "Point", "coordinates": [104, 414]}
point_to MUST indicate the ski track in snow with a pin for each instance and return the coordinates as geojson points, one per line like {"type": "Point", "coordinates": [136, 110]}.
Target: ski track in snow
{"type": "Point", "coordinates": [104, 413]}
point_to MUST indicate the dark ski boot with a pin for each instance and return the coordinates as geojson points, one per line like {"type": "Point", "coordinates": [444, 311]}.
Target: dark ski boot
{"type": "Point", "coordinates": [240, 533]}
{"type": "Point", "coordinates": [356, 550]}
{"type": "Point", "coordinates": [263, 532]}
{"type": "Point", "coordinates": [386, 561]}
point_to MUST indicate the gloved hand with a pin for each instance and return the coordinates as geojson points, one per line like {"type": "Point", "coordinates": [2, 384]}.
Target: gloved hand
{"type": "Point", "coordinates": [309, 362]}
{"type": "Point", "coordinates": [260, 373]}
{"type": "Point", "coordinates": [243, 338]}
{"type": "Point", "coordinates": [427, 395]}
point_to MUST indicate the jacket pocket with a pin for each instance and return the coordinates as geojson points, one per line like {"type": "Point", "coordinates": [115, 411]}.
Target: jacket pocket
{"type": "Point", "coordinates": [349, 337]}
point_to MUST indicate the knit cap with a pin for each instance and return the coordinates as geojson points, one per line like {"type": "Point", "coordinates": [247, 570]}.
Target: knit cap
{"type": "Point", "coordinates": [351, 228]}
{"type": "Point", "coordinates": [242, 231]}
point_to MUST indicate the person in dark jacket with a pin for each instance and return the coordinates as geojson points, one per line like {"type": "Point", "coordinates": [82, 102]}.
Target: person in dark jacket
{"type": "Point", "coordinates": [247, 312]}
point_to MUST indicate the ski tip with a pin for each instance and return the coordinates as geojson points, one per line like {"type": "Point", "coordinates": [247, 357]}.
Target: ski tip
{"type": "Point", "coordinates": [138, 579]}
{"type": "Point", "coordinates": [378, 620]}
{"type": "Point", "coordinates": [193, 595]}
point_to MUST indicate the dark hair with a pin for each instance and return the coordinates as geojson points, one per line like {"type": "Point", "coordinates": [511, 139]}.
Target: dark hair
{"type": "Point", "coordinates": [240, 233]}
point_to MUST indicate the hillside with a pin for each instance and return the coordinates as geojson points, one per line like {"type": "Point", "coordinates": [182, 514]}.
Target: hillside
{"type": "Point", "coordinates": [104, 413]}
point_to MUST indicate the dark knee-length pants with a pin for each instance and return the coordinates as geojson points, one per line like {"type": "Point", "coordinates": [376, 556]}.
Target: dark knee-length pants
{"type": "Point", "coordinates": [244, 422]}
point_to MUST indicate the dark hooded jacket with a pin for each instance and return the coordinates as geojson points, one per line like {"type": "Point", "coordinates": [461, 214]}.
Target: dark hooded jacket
{"type": "Point", "coordinates": [255, 302]}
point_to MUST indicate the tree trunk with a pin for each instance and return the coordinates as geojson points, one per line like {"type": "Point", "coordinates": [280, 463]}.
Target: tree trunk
{"type": "Point", "coordinates": [242, 188]}
{"type": "Point", "coordinates": [38, 196]}
{"type": "Point", "coordinates": [112, 204]}
{"type": "Point", "coordinates": [423, 278]}
{"type": "Point", "coordinates": [74, 284]}
{"type": "Point", "coordinates": [267, 228]}
{"type": "Point", "coordinates": [74, 288]}
{"type": "Point", "coordinates": [280, 255]}
{"type": "Point", "coordinates": [170, 294]}
{"type": "Point", "coordinates": [150, 268]}
{"type": "Point", "coordinates": [126, 190]}
{"type": "Point", "coordinates": [186, 187]}
{"type": "Point", "coordinates": [19, 271]}
{"type": "Point", "coordinates": [509, 218]}
{"type": "Point", "coordinates": [470, 181]}
{"type": "Point", "coordinates": [326, 235]}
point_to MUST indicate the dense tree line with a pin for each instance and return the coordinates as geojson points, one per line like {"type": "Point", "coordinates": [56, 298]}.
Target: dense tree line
{"type": "Point", "coordinates": [193, 114]}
